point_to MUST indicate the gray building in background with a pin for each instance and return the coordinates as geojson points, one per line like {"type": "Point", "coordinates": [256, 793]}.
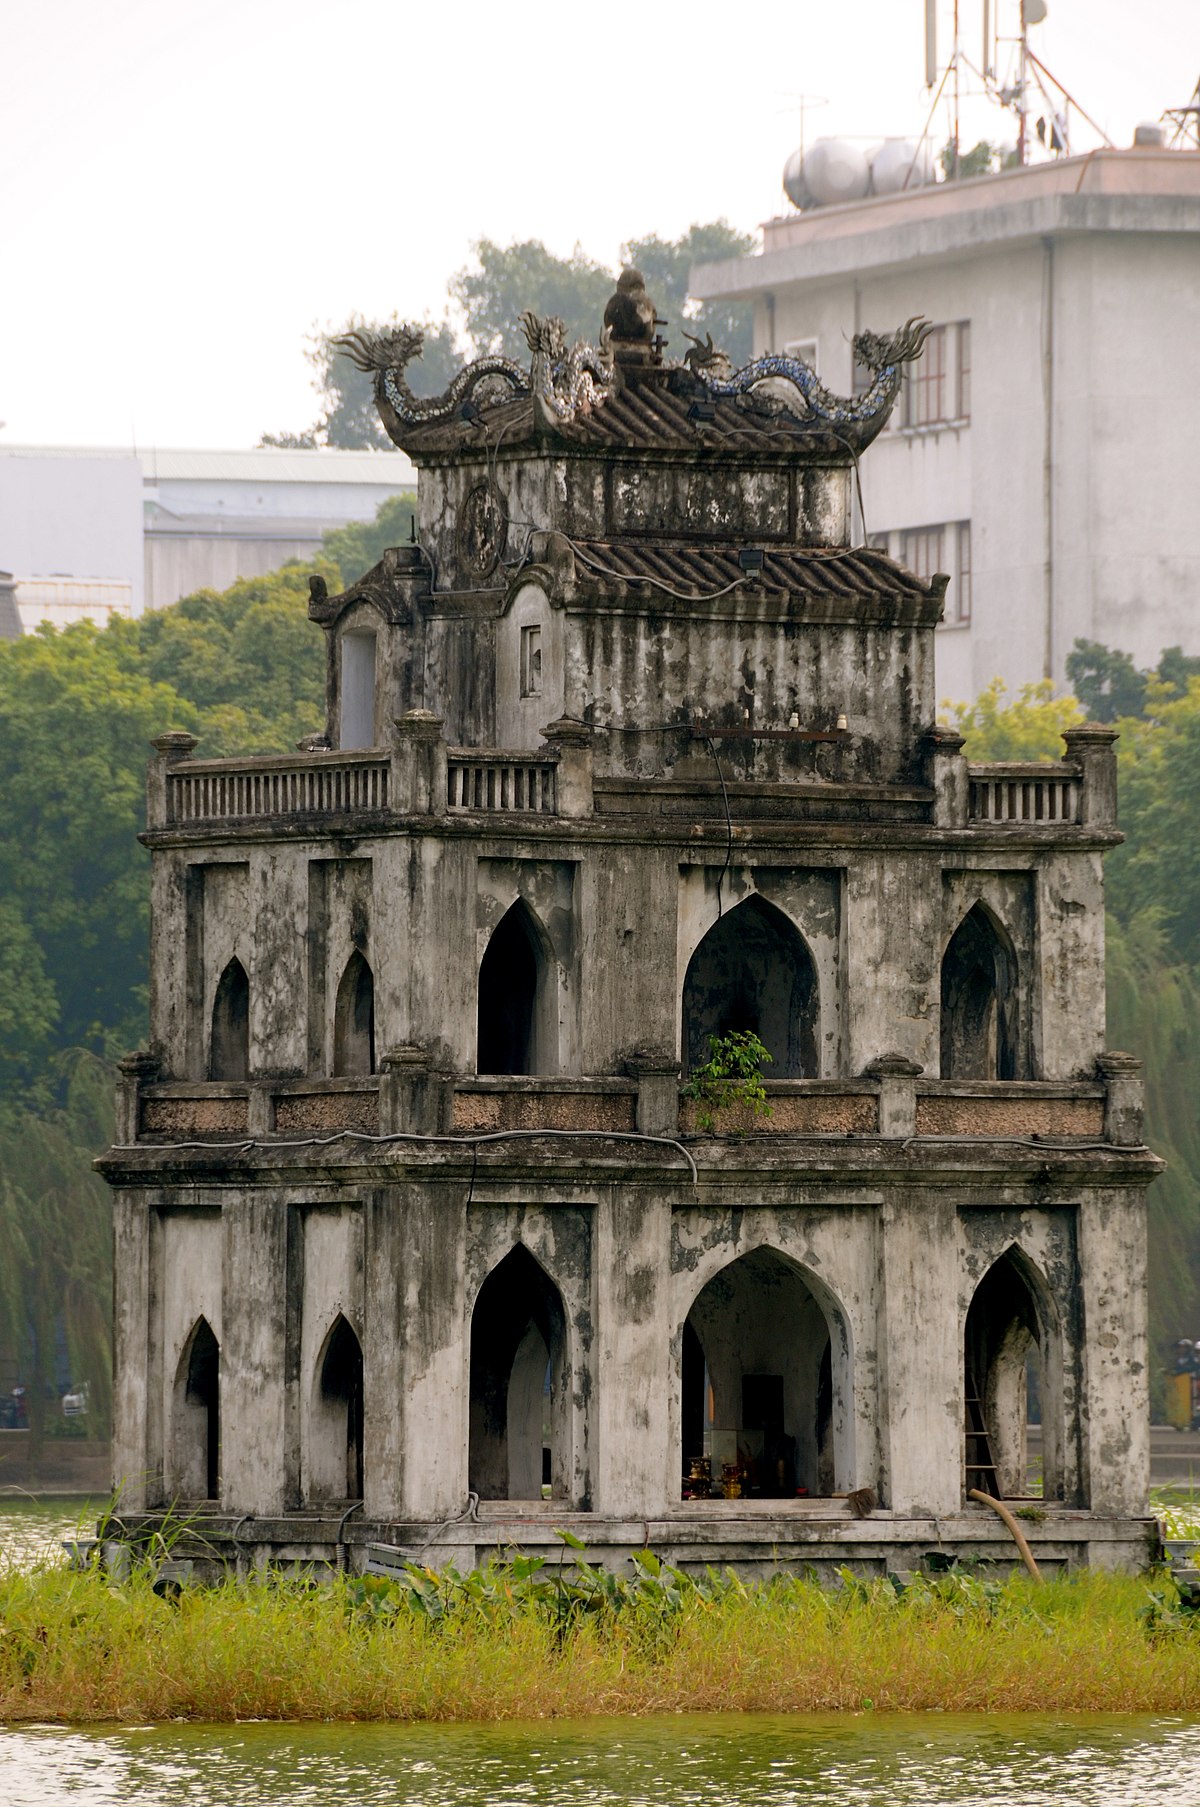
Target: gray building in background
{"type": "Point", "coordinates": [88, 533]}
{"type": "Point", "coordinates": [1044, 451]}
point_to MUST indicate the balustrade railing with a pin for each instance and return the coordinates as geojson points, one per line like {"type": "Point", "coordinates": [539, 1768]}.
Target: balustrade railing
{"type": "Point", "coordinates": [329, 784]}
{"type": "Point", "coordinates": [1024, 794]}
{"type": "Point", "coordinates": [501, 782]}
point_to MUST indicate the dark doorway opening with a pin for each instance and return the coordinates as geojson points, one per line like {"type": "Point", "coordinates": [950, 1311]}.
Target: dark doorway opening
{"type": "Point", "coordinates": [1003, 1353]}
{"type": "Point", "coordinates": [354, 1020]}
{"type": "Point", "coordinates": [979, 1001]}
{"type": "Point", "coordinates": [753, 971]}
{"type": "Point", "coordinates": [229, 1047]}
{"type": "Point", "coordinates": [198, 1419]}
{"type": "Point", "coordinates": [518, 1405]}
{"type": "Point", "coordinates": [336, 1435]}
{"type": "Point", "coordinates": [510, 977]}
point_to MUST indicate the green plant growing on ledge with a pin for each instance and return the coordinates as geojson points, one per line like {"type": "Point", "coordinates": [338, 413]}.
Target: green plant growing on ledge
{"type": "Point", "coordinates": [730, 1077]}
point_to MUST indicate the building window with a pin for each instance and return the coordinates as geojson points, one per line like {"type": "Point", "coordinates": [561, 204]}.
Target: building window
{"type": "Point", "coordinates": [937, 386]}
{"type": "Point", "coordinates": [531, 661]}
{"type": "Point", "coordinates": [926, 551]}
{"type": "Point", "coordinates": [804, 351]}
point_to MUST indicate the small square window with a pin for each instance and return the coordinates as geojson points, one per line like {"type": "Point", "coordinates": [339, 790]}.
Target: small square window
{"type": "Point", "coordinates": [531, 660]}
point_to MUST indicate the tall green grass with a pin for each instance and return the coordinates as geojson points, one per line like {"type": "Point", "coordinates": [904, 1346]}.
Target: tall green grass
{"type": "Point", "coordinates": [507, 1645]}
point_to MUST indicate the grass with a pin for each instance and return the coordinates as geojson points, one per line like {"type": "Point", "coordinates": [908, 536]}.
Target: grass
{"type": "Point", "coordinates": [519, 1641]}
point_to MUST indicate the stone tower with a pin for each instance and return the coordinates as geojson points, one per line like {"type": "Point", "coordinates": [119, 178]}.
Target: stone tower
{"type": "Point", "coordinates": [422, 1244]}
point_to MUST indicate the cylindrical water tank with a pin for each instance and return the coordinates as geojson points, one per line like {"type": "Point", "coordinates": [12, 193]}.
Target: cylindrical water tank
{"type": "Point", "coordinates": [893, 161]}
{"type": "Point", "coordinates": [835, 170]}
{"type": "Point", "coordinates": [793, 181]}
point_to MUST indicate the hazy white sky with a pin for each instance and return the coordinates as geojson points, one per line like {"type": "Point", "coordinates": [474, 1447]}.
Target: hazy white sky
{"type": "Point", "coordinates": [187, 186]}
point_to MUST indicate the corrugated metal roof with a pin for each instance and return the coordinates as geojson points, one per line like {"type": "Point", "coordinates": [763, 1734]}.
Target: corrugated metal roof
{"type": "Point", "coordinates": [262, 464]}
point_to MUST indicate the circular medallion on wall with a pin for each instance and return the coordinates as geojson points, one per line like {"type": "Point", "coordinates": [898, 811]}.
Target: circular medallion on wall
{"type": "Point", "coordinates": [482, 528]}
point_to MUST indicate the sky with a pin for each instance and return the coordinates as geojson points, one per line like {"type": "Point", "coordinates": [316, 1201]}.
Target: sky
{"type": "Point", "coordinates": [189, 187]}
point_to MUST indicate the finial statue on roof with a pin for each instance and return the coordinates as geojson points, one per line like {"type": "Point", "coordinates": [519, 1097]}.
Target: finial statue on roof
{"type": "Point", "coordinates": [631, 317]}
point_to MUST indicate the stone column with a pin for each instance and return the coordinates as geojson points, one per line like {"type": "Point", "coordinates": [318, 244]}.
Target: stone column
{"type": "Point", "coordinates": [897, 1076]}
{"type": "Point", "coordinates": [572, 741]}
{"type": "Point", "coordinates": [254, 1455]}
{"type": "Point", "coordinates": [1092, 749]}
{"type": "Point", "coordinates": [136, 1070]}
{"type": "Point", "coordinates": [1112, 1266]}
{"type": "Point", "coordinates": [418, 776]}
{"type": "Point", "coordinates": [921, 1358]}
{"type": "Point", "coordinates": [413, 1098]}
{"type": "Point", "coordinates": [657, 1075]}
{"type": "Point", "coordinates": [633, 1453]}
{"type": "Point", "coordinates": [132, 1367]}
{"type": "Point", "coordinates": [170, 749]}
{"type": "Point", "coordinates": [947, 771]}
{"type": "Point", "coordinates": [1123, 1104]}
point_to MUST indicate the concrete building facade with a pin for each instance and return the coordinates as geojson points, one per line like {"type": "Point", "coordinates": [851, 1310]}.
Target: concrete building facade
{"type": "Point", "coordinates": [430, 1235]}
{"type": "Point", "coordinates": [1043, 453]}
{"type": "Point", "coordinates": [89, 533]}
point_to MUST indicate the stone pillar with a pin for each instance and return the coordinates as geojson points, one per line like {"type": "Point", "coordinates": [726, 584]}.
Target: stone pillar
{"type": "Point", "coordinates": [1116, 1407]}
{"type": "Point", "coordinates": [657, 1075]}
{"type": "Point", "coordinates": [921, 1359]}
{"type": "Point", "coordinates": [572, 741]}
{"type": "Point", "coordinates": [1123, 1104]}
{"type": "Point", "coordinates": [135, 1070]}
{"type": "Point", "coordinates": [418, 764]}
{"type": "Point", "coordinates": [413, 1098]}
{"type": "Point", "coordinates": [254, 1453]}
{"type": "Point", "coordinates": [1092, 749]}
{"type": "Point", "coordinates": [634, 1455]}
{"type": "Point", "coordinates": [897, 1076]}
{"type": "Point", "coordinates": [170, 749]}
{"type": "Point", "coordinates": [946, 770]}
{"type": "Point", "coordinates": [132, 1367]}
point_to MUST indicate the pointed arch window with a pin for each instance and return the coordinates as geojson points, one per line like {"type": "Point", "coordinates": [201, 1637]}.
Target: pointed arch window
{"type": "Point", "coordinates": [196, 1440]}
{"type": "Point", "coordinates": [518, 1384]}
{"type": "Point", "coordinates": [354, 1019]}
{"type": "Point", "coordinates": [766, 1383]}
{"type": "Point", "coordinates": [1012, 1362]}
{"type": "Point", "coordinates": [229, 1045]}
{"type": "Point", "coordinates": [335, 1444]}
{"type": "Point", "coordinates": [514, 1031]}
{"type": "Point", "coordinates": [979, 1001]}
{"type": "Point", "coordinates": [753, 971]}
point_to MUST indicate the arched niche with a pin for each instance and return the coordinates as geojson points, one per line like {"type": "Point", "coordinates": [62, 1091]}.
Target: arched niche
{"type": "Point", "coordinates": [518, 1404]}
{"type": "Point", "coordinates": [229, 1043]}
{"type": "Point", "coordinates": [1011, 1336]}
{"type": "Point", "coordinates": [753, 971]}
{"type": "Point", "coordinates": [515, 1022]}
{"type": "Point", "coordinates": [979, 1024]}
{"type": "Point", "coordinates": [354, 1019]}
{"type": "Point", "coordinates": [335, 1425]}
{"type": "Point", "coordinates": [766, 1380]}
{"type": "Point", "coordinates": [196, 1417]}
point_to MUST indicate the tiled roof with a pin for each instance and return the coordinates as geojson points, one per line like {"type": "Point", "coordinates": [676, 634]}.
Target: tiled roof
{"type": "Point", "coordinates": [653, 412]}
{"type": "Point", "coordinates": [696, 570]}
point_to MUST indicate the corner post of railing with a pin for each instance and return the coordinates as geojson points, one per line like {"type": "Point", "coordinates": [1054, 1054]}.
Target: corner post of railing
{"type": "Point", "coordinates": [169, 750]}
{"type": "Point", "coordinates": [1123, 1100]}
{"type": "Point", "coordinates": [949, 777]}
{"type": "Point", "coordinates": [413, 1096]}
{"type": "Point", "coordinates": [134, 1071]}
{"type": "Point", "coordinates": [657, 1075]}
{"type": "Point", "coordinates": [897, 1077]}
{"type": "Point", "coordinates": [418, 764]}
{"type": "Point", "coordinates": [1092, 750]}
{"type": "Point", "coordinates": [572, 741]}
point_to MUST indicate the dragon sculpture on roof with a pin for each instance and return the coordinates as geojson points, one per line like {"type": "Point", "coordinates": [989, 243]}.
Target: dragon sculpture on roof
{"type": "Point", "coordinates": [566, 383]}
{"type": "Point", "coordinates": [886, 357]}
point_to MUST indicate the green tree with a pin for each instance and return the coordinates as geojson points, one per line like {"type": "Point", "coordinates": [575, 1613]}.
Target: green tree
{"type": "Point", "coordinates": [1028, 727]}
{"type": "Point", "coordinates": [348, 416]}
{"type": "Point", "coordinates": [667, 265]}
{"type": "Point", "coordinates": [1107, 683]}
{"type": "Point", "coordinates": [510, 278]}
{"type": "Point", "coordinates": [355, 548]}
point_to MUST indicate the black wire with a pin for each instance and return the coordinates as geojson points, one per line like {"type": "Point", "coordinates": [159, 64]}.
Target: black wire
{"type": "Point", "coordinates": [709, 743]}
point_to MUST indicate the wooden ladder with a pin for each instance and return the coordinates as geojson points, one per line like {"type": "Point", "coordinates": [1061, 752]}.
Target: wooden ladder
{"type": "Point", "coordinates": [979, 1461]}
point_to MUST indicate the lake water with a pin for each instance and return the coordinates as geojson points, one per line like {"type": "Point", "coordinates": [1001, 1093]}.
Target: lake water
{"type": "Point", "coordinates": [738, 1761]}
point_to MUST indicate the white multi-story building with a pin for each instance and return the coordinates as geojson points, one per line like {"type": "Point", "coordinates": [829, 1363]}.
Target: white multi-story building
{"type": "Point", "coordinates": [1046, 453]}
{"type": "Point", "coordinates": [90, 532]}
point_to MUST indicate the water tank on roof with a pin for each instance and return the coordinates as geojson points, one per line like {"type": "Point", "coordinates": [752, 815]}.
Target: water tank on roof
{"type": "Point", "coordinates": [836, 170]}
{"type": "Point", "coordinates": [893, 162]}
{"type": "Point", "coordinates": [793, 181]}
